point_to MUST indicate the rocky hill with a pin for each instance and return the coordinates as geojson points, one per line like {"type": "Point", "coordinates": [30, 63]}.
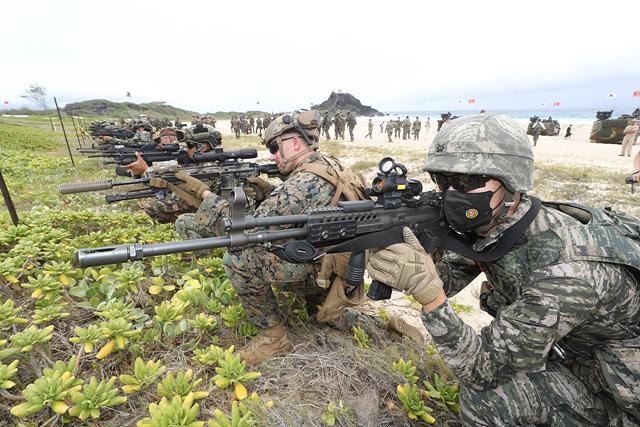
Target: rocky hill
{"type": "Point", "coordinates": [103, 107]}
{"type": "Point", "coordinates": [346, 102]}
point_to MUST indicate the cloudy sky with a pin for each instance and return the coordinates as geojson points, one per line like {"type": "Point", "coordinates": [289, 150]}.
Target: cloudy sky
{"type": "Point", "coordinates": [393, 55]}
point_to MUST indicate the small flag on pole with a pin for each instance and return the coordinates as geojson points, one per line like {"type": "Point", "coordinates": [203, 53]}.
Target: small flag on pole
{"type": "Point", "coordinates": [636, 93]}
{"type": "Point", "coordinates": [556, 104]}
{"type": "Point", "coordinates": [472, 101]}
{"type": "Point", "coordinates": [611, 95]}
{"type": "Point", "coordinates": [128, 94]}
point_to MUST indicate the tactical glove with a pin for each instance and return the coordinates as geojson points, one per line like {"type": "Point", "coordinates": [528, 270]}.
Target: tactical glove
{"type": "Point", "coordinates": [407, 267]}
{"type": "Point", "coordinates": [192, 185]}
{"type": "Point", "coordinates": [257, 188]}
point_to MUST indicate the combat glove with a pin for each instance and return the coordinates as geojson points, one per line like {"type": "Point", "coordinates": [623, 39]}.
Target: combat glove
{"type": "Point", "coordinates": [257, 188]}
{"type": "Point", "coordinates": [192, 185]}
{"type": "Point", "coordinates": [407, 267]}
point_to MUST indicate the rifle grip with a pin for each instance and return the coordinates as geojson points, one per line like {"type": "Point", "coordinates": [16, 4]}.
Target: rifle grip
{"type": "Point", "coordinates": [379, 291]}
{"type": "Point", "coordinates": [84, 187]}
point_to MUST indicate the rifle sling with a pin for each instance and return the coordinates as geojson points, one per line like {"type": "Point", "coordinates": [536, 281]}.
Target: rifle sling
{"type": "Point", "coordinates": [189, 198]}
{"type": "Point", "coordinates": [442, 236]}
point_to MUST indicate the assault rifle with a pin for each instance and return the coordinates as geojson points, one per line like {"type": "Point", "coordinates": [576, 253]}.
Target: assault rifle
{"type": "Point", "coordinates": [114, 150]}
{"type": "Point", "coordinates": [350, 226]}
{"type": "Point", "coordinates": [182, 157]}
{"type": "Point", "coordinates": [230, 171]}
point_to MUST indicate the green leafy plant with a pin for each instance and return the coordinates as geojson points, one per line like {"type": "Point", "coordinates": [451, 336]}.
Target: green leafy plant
{"type": "Point", "coordinates": [446, 395]}
{"type": "Point", "coordinates": [238, 417]}
{"type": "Point", "coordinates": [6, 373]}
{"type": "Point", "coordinates": [118, 309]}
{"type": "Point", "coordinates": [413, 404]}
{"type": "Point", "coordinates": [233, 315]}
{"type": "Point", "coordinates": [63, 271]}
{"type": "Point", "coordinates": [118, 332]}
{"type": "Point", "coordinates": [247, 330]}
{"type": "Point", "coordinates": [93, 397]}
{"type": "Point", "coordinates": [203, 322]}
{"type": "Point", "coordinates": [182, 384]}
{"type": "Point", "coordinates": [460, 308]}
{"type": "Point", "coordinates": [209, 356]}
{"type": "Point", "coordinates": [88, 336]}
{"type": "Point", "coordinates": [231, 370]}
{"type": "Point", "coordinates": [360, 336]}
{"type": "Point", "coordinates": [158, 284]}
{"type": "Point", "coordinates": [49, 310]}
{"type": "Point", "coordinates": [213, 266]}
{"type": "Point", "coordinates": [130, 277]}
{"type": "Point", "coordinates": [407, 369]}
{"type": "Point", "coordinates": [31, 337]}
{"type": "Point", "coordinates": [144, 374]}
{"type": "Point", "coordinates": [9, 315]}
{"type": "Point", "coordinates": [169, 312]}
{"type": "Point", "coordinates": [47, 391]}
{"type": "Point", "coordinates": [179, 412]}
{"type": "Point", "coordinates": [43, 286]}
{"type": "Point", "coordinates": [334, 412]}
{"type": "Point", "coordinates": [383, 315]}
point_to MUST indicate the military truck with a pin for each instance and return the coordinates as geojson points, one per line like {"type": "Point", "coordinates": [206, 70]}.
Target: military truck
{"type": "Point", "coordinates": [551, 127]}
{"type": "Point", "coordinates": [608, 130]}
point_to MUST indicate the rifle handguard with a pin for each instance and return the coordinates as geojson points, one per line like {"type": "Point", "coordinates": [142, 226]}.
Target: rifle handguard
{"type": "Point", "coordinates": [84, 187]}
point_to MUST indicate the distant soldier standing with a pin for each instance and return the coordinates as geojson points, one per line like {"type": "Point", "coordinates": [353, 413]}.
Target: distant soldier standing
{"type": "Point", "coordinates": [235, 125]}
{"type": "Point", "coordinates": [391, 127]}
{"type": "Point", "coordinates": [382, 126]}
{"type": "Point", "coordinates": [252, 124]}
{"type": "Point", "coordinates": [417, 125]}
{"type": "Point", "coordinates": [259, 126]}
{"type": "Point", "coordinates": [406, 128]}
{"type": "Point", "coordinates": [336, 125]}
{"type": "Point", "coordinates": [398, 126]}
{"type": "Point", "coordinates": [326, 125]}
{"type": "Point", "coordinates": [370, 125]}
{"type": "Point", "coordinates": [351, 123]}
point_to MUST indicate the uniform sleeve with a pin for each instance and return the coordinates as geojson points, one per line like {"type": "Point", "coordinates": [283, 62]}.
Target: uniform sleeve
{"type": "Point", "coordinates": [518, 339]}
{"type": "Point", "coordinates": [456, 272]}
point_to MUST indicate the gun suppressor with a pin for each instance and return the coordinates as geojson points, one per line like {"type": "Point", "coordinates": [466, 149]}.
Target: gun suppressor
{"type": "Point", "coordinates": [84, 187]}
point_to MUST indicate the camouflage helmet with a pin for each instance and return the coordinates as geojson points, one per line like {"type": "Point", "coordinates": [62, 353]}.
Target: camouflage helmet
{"type": "Point", "coordinates": [200, 133]}
{"type": "Point", "coordinates": [484, 144]}
{"type": "Point", "coordinates": [305, 123]}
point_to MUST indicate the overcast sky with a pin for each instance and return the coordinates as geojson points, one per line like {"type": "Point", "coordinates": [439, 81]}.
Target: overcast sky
{"type": "Point", "coordinates": [221, 55]}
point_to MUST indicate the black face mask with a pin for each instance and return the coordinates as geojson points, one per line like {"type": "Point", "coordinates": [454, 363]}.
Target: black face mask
{"type": "Point", "coordinates": [465, 212]}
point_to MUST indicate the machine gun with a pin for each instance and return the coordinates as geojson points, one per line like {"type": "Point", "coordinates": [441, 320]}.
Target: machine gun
{"type": "Point", "coordinates": [182, 157]}
{"type": "Point", "coordinates": [350, 226]}
{"type": "Point", "coordinates": [225, 166]}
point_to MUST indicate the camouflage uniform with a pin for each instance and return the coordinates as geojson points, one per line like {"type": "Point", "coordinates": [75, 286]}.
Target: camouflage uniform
{"type": "Point", "coordinates": [254, 270]}
{"type": "Point", "coordinates": [391, 126]}
{"type": "Point", "coordinates": [564, 283]}
{"type": "Point", "coordinates": [370, 126]}
{"type": "Point", "coordinates": [326, 125]}
{"type": "Point", "coordinates": [417, 125]}
{"type": "Point", "coordinates": [259, 126]}
{"type": "Point", "coordinates": [351, 122]}
{"type": "Point", "coordinates": [406, 128]}
{"type": "Point", "coordinates": [142, 136]}
{"type": "Point", "coordinates": [398, 126]}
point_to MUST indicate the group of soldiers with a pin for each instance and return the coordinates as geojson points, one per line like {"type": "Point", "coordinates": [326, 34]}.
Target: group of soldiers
{"type": "Point", "coordinates": [563, 280]}
{"type": "Point", "coordinates": [408, 129]}
{"type": "Point", "coordinates": [340, 121]}
{"type": "Point", "coordinates": [249, 125]}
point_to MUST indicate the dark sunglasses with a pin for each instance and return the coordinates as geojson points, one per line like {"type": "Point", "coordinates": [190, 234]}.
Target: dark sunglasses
{"type": "Point", "coordinates": [462, 183]}
{"type": "Point", "coordinates": [274, 146]}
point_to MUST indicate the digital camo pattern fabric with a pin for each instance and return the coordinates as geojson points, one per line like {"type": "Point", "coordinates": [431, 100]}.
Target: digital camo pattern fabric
{"type": "Point", "coordinates": [254, 270]}
{"type": "Point", "coordinates": [483, 144]}
{"type": "Point", "coordinates": [567, 284]}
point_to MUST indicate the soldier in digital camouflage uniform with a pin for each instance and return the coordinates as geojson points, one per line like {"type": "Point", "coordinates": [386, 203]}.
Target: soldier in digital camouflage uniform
{"type": "Point", "coordinates": [398, 127]}
{"type": "Point", "coordinates": [351, 123]}
{"type": "Point", "coordinates": [406, 128]}
{"type": "Point", "coordinates": [142, 135]}
{"type": "Point", "coordinates": [168, 206]}
{"type": "Point", "coordinates": [416, 126]}
{"type": "Point", "coordinates": [293, 142]}
{"type": "Point", "coordinates": [564, 347]}
{"type": "Point", "coordinates": [391, 127]}
{"type": "Point", "coordinates": [326, 125]}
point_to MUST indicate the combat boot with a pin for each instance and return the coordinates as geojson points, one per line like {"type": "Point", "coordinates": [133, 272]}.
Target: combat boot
{"type": "Point", "coordinates": [268, 342]}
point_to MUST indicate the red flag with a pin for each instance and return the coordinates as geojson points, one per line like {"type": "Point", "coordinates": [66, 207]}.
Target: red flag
{"type": "Point", "coordinates": [636, 93]}
{"type": "Point", "coordinates": [556, 104]}
{"type": "Point", "coordinates": [472, 101]}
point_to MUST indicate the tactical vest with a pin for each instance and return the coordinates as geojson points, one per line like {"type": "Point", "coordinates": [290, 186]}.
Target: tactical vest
{"type": "Point", "coordinates": [599, 235]}
{"type": "Point", "coordinates": [349, 185]}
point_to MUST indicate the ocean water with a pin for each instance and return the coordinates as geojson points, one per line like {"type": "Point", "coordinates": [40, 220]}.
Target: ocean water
{"type": "Point", "coordinates": [565, 116]}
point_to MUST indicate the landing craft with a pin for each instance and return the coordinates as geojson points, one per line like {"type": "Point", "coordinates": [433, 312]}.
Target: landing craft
{"type": "Point", "coordinates": [608, 130]}
{"type": "Point", "coordinates": [551, 126]}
